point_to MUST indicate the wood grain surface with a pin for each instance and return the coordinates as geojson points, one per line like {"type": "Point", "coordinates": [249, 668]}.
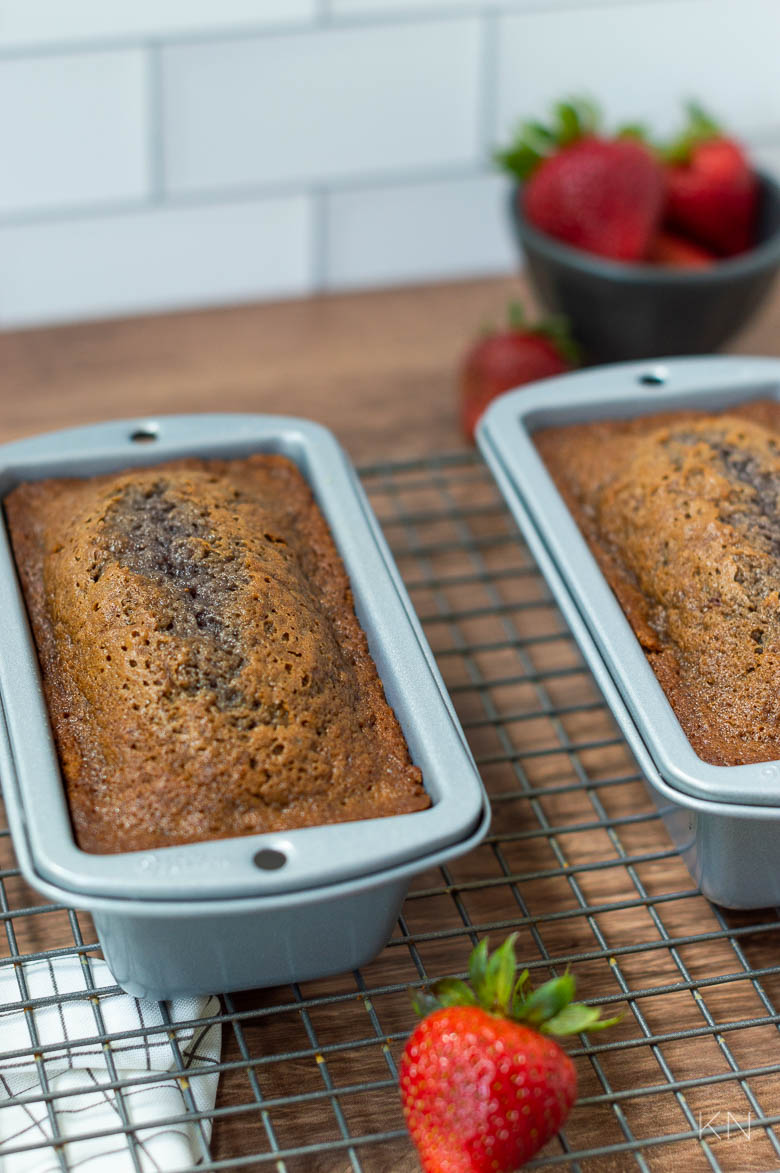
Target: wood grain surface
{"type": "Point", "coordinates": [378, 367]}
{"type": "Point", "coordinates": [577, 862]}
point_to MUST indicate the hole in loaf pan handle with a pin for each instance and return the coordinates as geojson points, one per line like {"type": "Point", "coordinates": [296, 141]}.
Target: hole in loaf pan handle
{"type": "Point", "coordinates": [145, 434]}
{"type": "Point", "coordinates": [658, 377]}
{"type": "Point", "coordinates": [269, 860]}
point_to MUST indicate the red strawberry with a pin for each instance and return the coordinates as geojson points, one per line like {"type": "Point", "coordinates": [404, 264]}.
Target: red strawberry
{"type": "Point", "coordinates": [711, 189]}
{"type": "Point", "coordinates": [483, 1087]}
{"type": "Point", "coordinates": [603, 195]}
{"type": "Point", "coordinates": [507, 358]}
{"type": "Point", "coordinates": [677, 252]}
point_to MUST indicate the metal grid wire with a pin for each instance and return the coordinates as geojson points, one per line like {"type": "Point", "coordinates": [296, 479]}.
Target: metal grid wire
{"type": "Point", "coordinates": [577, 863]}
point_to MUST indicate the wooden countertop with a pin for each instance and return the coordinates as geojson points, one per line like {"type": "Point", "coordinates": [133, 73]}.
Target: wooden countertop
{"type": "Point", "coordinates": [379, 368]}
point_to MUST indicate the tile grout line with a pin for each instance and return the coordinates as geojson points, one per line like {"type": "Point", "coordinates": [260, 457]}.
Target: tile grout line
{"type": "Point", "coordinates": [319, 251]}
{"type": "Point", "coordinates": [323, 16]}
{"type": "Point", "coordinates": [155, 130]}
{"type": "Point", "coordinates": [212, 197]}
{"type": "Point", "coordinates": [487, 128]}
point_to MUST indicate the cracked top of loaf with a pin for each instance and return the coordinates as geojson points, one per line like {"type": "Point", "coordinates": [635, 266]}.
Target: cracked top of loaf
{"type": "Point", "coordinates": [682, 512]}
{"type": "Point", "coordinates": [204, 670]}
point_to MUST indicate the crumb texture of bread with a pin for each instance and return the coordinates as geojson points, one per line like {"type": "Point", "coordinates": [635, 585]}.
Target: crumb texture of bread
{"type": "Point", "coordinates": [204, 670]}
{"type": "Point", "coordinates": [682, 512]}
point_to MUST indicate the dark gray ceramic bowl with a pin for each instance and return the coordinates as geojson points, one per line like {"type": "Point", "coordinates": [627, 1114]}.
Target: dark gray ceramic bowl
{"type": "Point", "coordinates": [624, 311]}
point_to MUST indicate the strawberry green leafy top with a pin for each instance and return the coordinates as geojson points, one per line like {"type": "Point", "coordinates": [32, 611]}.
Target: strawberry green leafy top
{"type": "Point", "coordinates": [495, 986]}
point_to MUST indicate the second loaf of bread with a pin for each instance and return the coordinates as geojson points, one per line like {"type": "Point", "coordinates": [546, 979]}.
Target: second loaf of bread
{"type": "Point", "coordinates": [682, 512]}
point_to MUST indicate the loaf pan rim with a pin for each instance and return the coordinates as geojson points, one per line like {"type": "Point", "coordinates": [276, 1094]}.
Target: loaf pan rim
{"type": "Point", "coordinates": [168, 872]}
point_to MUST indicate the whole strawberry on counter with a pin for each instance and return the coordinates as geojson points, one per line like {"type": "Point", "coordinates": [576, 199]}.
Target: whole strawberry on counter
{"type": "Point", "coordinates": [601, 194]}
{"type": "Point", "coordinates": [503, 359]}
{"type": "Point", "coordinates": [711, 188]}
{"type": "Point", "coordinates": [483, 1085]}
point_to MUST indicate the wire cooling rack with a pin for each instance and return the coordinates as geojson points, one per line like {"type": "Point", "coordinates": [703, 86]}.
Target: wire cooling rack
{"type": "Point", "coordinates": [577, 863]}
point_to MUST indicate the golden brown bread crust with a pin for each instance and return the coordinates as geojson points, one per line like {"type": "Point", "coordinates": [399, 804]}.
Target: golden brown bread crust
{"type": "Point", "coordinates": [682, 512]}
{"type": "Point", "coordinates": [205, 673]}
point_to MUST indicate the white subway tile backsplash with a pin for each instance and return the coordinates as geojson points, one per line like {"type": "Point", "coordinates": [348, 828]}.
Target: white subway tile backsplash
{"type": "Point", "coordinates": [34, 22]}
{"type": "Point", "coordinates": [642, 61]}
{"type": "Point", "coordinates": [156, 260]}
{"type": "Point", "coordinates": [73, 130]}
{"type": "Point", "coordinates": [169, 153]}
{"type": "Point", "coordinates": [320, 106]}
{"type": "Point", "coordinates": [453, 227]}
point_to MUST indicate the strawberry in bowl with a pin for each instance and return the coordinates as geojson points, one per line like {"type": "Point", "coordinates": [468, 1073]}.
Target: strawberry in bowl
{"type": "Point", "coordinates": [648, 252]}
{"type": "Point", "coordinates": [604, 195]}
{"type": "Point", "coordinates": [712, 191]}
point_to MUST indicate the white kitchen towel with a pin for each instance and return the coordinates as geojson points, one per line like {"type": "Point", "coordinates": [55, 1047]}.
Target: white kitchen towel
{"type": "Point", "coordinates": [82, 1006]}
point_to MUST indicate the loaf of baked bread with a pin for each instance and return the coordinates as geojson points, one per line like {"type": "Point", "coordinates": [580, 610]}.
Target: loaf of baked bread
{"type": "Point", "coordinates": [204, 670]}
{"type": "Point", "coordinates": [682, 512]}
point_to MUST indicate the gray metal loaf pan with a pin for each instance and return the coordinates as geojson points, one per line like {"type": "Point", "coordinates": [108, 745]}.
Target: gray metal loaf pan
{"type": "Point", "coordinates": [724, 819]}
{"type": "Point", "coordinates": [214, 916]}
